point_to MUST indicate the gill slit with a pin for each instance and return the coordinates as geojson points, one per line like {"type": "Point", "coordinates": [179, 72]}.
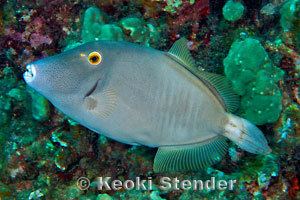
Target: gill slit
{"type": "Point", "coordinates": [92, 89]}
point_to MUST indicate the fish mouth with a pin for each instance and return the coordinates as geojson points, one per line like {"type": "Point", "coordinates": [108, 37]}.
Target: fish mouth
{"type": "Point", "coordinates": [30, 73]}
{"type": "Point", "coordinates": [92, 89]}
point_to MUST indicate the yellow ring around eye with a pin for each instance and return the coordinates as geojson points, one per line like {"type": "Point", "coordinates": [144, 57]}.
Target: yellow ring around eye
{"type": "Point", "coordinates": [94, 58]}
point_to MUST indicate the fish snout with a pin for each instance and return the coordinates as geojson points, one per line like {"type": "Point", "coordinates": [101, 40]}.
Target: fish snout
{"type": "Point", "coordinates": [30, 73]}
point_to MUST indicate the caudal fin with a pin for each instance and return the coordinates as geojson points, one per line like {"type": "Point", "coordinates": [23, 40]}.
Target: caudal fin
{"type": "Point", "coordinates": [246, 135]}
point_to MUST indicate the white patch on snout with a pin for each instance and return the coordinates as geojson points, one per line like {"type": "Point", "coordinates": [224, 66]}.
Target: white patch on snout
{"type": "Point", "coordinates": [30, 73]}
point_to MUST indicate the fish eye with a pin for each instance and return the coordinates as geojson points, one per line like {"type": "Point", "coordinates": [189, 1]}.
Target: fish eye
{"type": "Point", "coordinates": [94, 58]}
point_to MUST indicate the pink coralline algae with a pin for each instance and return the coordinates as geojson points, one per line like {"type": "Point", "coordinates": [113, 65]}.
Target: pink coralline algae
{"type": "Point", "coordinates": [36, 40]}
{"type": "Point", "coordinates": [33, 34]}
{"type": "Point", "coordinates": [190, 13]}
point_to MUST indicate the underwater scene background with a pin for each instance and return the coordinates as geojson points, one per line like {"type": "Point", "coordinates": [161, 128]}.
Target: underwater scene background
{"type": "Point", "coordinates": [254, 43]}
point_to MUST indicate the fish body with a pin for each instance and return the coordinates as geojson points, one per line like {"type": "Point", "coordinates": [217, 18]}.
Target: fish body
{"type": "Point", "coordinates": [156, 103]}
{"type": "Point", "coordinates": [142, 96]}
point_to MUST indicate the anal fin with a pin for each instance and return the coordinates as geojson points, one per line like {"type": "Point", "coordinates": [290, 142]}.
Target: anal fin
{"type": "Point", "coordinates": [190, 157]}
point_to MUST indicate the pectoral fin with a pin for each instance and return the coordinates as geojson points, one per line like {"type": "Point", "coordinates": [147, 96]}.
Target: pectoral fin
{"type": "Point", "coordinates": [101, 104]}
{"type": "Point", "coordinates": [191, 157]}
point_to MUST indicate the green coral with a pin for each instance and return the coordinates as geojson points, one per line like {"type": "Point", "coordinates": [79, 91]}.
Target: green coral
{"type": "Point", "coordinates": [255, 78]}
{"type": "Point", "coordinates": [111, 32]}
{"type": "Point", "coordinates": [155, 196]}
{"type": "Point", "coordinates": [290, 19]}
{"type": "Point", "coordinates": [92, 21]}
{"type": "Point", "coordinates": [39, 106]}
{"type": "Point", "coordinates": [96, 28]}
{"type": "Point", "coordinates": [287, 131]}
{"type": "Point", "coordinates": [233, 10]}
{"type": "Point", "coordinates": [5, 107]}
{"type": "Point", "coordinates": [17, 94]}
{"type": "Point", "coordinates": [104, 197]}
{"type": "Point", "coordinates": [140, 31]}
{"type": "Point", "coordinates": [288, 14]}
{"type": "Point", "coordinates": [3, 118]}
{"type": "Point", "coordinates": [173, 5]}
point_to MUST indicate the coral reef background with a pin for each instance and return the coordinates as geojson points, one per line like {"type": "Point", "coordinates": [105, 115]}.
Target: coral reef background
{"type": "Point", "coordinates": [255, 43]}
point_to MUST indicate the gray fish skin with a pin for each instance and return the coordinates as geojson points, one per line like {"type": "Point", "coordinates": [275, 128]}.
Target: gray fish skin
{"type": "Point", "coordinates": [142, 95]}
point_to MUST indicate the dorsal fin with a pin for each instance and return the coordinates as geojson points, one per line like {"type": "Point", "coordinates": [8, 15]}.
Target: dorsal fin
{"type": "Point", "coordinates": [181, 53]}
{"type": "Point", "coordinates": [223, 87]}
{"type": "Point", "coordinates": [218, 84]}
